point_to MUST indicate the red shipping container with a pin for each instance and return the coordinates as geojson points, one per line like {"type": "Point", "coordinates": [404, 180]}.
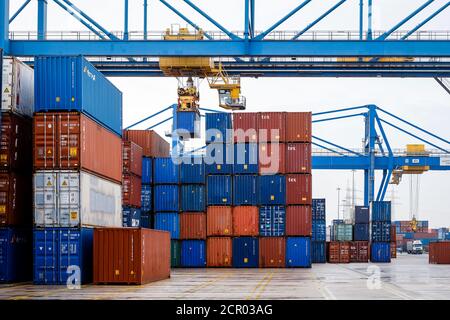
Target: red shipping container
{"type": "Point", "coordinates": [439, 252]}
{"type": "Point", "coordinates": [192, 225]}
{"type": "Point", "coordinates": [298, 126]}
{"type": "Point", "coordinates": [298, 221]}
{"type": "Point", "coordinates": [393, 233]}
{"type": "Point", "coordinates": [271, 126]}
{"type": "Point", "coordinates": [218, 252]}
{"type": "Point", "coordinates": [15, 199]}
{"type": "Point", "coordinates": [338, 252]}
{"type": "Point", "coordinates": [245, 221]}
{"type": "Point", "coordinates": [393, 250]}
{"type": "Point", "coordinates": [131, 190]}
{"type": "Point", "coordinates": [359, 251]}
{"type": "Point", "coordinates": [298, 158]}
{"type": "Point", "coordinates": [425, 235]}
{"type": "Point", "coordinates": [16, 143]}
{"type": "Point", "coordinates": [272, 252]}
{"type": "Point", "coordinates": [132, 158]}
{"type": "Point", "coordinates": [245, 127]}
{"type": "Point", "coordinates": [130, 255]}
{"type": "Point", "coordinates": [219, 221]}
{"type": "Point", "coordinates": [298, 189]}
{"type": "Point", "coordinates": [71, 140]}
{"type": "Point", "coordinates": [272, 158]}
{"type": "Point", "coordinates": [153, 145]}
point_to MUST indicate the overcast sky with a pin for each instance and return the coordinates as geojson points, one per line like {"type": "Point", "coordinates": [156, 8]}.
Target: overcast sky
{"type": "Point", "coordinates": [421, 101]}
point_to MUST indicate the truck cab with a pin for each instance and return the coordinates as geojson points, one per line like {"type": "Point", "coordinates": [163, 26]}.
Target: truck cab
{"type": "Point", "coordinates": [414, 247]}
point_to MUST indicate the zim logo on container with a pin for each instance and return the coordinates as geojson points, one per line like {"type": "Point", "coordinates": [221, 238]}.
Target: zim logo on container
{"type": "Point", "coordinates": [89, 74]}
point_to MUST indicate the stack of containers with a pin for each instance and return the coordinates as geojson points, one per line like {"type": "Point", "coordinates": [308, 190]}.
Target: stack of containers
{"type": "Point", "coordinates": [131, 183]}
{"type": "Point", "coordinates": [16, 171]}
{"type": "Point", "coordinates": [381, 231]}
{"type": "Point", "coordinates": [318, 244]}
{"type": "Point", "coordinates": [77, 165]}
{"type": "Point", "coordinates": [338, 249]}
{"type": "Point", "coordinates": [359, 249]}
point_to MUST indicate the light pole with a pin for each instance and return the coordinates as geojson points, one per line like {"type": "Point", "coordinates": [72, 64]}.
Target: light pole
{"type": "Point", "coordinates": [339, 199]}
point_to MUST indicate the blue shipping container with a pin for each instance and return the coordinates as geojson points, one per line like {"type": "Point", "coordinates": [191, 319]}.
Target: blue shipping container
{"type": "Point", "coordinates": [298, 252]}
{"type": "Point", "coordinates": [147, 170]}
{"type": "Point", "coordinates": [166, 197]}
{"type": "Point", "coordinates": [381, 211]}
{"type": "Point", "coordinates": [193, 170]}
{"type": "Point", "coordinates": [380, 252]}
{"type": "Point", "coordinates": [193, 197]}
{"type": "Point", "coordinates": [361, 232]}
{"type": "Point", "coordinates": [362, 214]}
{"type": "Point", "coordinates": [131, 217]}
{"type": "Point", "coordinates": [219, 158]}
{"type": "Point", "coordinates": [146, 198]}
{"type": "Point", "coordinates": [319, 230]}
{"type": "Point", "coordinates": [318, 209]}
{"type": "Point", "coordinates": [188, 124]}
{"type": "Point", "coordinates": [318, 252]}
{"type": "Point", "coordinates": [15, 255]}
{"type": "Point", "coordinates": [447, 236]}
{"type": "Point", "coordinates": [146, 221]}
{"type": "Point", "coordinates": [168, 221]}
{"type": "Point", "coordinates": [272, 189]}
{"type": "Point", "coordinates": [218, 127]}
{"type": "Point", "coordinates": [72, 83]}
{"type": "Point", "coordinates": [219, 190]}
{"type": "Point", "coordinates": [193, 253]}
{"type": "Point", "coordinates": [381, 231]}
{"type": "Point", "coordinates": [62, 252]}
{"type": "Point", "coordinates": [272, 221]}
{"type": "Point", "coordinates": [245, 252]}
{"type": "Point", "coordinates": [245, 190]}
{"type": "Point", "coordinates": [166, 171]}
{"type": "Point", "coordinates": [408, 235]}
{"type": "Point", "coordinates": [245, 158]}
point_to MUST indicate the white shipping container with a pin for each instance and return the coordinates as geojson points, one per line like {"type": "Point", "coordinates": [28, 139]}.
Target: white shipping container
{"type": "Point", "coordinates": [68, 198]}
{"type": "Point", "coordinates": [17, 87]}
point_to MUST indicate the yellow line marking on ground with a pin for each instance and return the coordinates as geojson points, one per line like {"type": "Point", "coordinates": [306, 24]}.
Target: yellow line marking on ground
{"type": "Point", "coordinates": [257, 285]}
{"type": "Point", "coordinates": [263, 287]}
{"type": "Point", "coordinates": [206, 284]}
{"type": "Point", "coordinates": [20, 298]}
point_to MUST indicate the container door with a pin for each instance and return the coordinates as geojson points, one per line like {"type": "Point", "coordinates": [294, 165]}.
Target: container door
{"type": "Point", "coordinates": [5, 256]}
{"type": "Point", "coordinates": [45, 256]}
{"type": "Point", "coordinates": [45, 198]}
{"type": "Point", "coordinates": [69, 140]}
{"type": "Point", "coordinates": [69, 199]}
{"type": "Point", "coordinates": [8, 90]}
{"type": "Point", "coordinates": [69, 254]}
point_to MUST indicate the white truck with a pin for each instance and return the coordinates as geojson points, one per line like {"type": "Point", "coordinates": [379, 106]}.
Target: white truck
{"type": "Point", "coordinates": [414, 247]}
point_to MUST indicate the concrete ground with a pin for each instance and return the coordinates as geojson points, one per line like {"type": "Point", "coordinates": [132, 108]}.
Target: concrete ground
{"type": "Point", "coordinates": [407, 277]}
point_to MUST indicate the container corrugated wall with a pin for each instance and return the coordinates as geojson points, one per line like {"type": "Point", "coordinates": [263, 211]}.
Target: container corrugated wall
{"type": "Point", "coordinates": [272, 252]}
{"type": "Point", "coordinates": [146, 198]}
{"type": "Point", "coordinates": [175, 253]}
{"type": "Point", "coordinates": [245, 158]}
{"type": "Point", "coordinates": [165, 171]}
{"type": "Point", "coordinates": [193, 197]}
{"type": "Point", "coordinates": [439, 252]}
{"type": "Point", "coordinates": [147, 170]}
{"type": "Point", "coordinates": [361, 232]}
{"type": "Point", "coordinates": [219, 252]}
{"type": "Point", "coordinates": [272, 190]}
{"type": "Point", "coordinates": [218, 127]}
{"type": "Point", "coordinates": [362, 214]}
{"type": "Point", "coordinates": [193, 171]}
{"type": "Point", "coordinates": [15, 199]}
{"type": "Point", "coordinates": [298, 126]}
{"type": "Point", "coordinates": [131, 190]}
{"type": "Point", "coordinates": [245, 221]}
{"type": "Point", "coordinates": [132, 158]}
{"type": "Point", "coordinates": [193, 253]}
{"type": "Point", "coordinates": [298, 252]}
{"type": "Point", "coordinates": [168, 221]}
{"type": "Point", "coordinates": [15, 255]}
{"type": "Point", "coordinates": [272, 221]}
{"type": "Point", "coordinates": [298, 221]}
{"type": "Point", "coordinates": [153, 145]}
{"type": "Point", "coordinates": [272, 158]}
{"type": "Point", "coordinates": [245, 127]}
{"type": "Point", "coordinates": [219, 189]}
{"type": "Point", "coordinates": [192, 225]}
{"type": "Point", "coordinates": [271, 126]}
{"type": "Point", "coordinates": [318, 252]}
{"type": "Point", "coordinates": [219, 220]}
{"type": "Point", "coordinates": [245, 190]}
{"type": "Point", "coordinates": [380, 252]}
{"type": "Point", "coordinates": [381, 211]}
{"type": "Point", "coordinates": [245, 252]}
{"type": "Point", "coordinates": [298, 189]}
{"type": "Point", "coordinates": [219, 158]}
{"type": "Point", "coordinates": [298, 158]}
{"type": "Point", "coordinates": [381, 231]}
{"type": "Point", "coordinates": [167, 197]}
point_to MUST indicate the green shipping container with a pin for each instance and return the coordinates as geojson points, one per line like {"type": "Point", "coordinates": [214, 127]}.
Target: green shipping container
{"type": "Point", "coordinates": [175, 253]}
{"type": "Point", "coordinates": [343, 232]}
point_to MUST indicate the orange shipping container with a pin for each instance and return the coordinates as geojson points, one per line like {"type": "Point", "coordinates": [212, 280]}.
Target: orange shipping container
{"type": "Point", "coordinates": [272, 252]}
{"type": "Point", "coordinates": [338, 252]}
{"type": "Point", "coordinates": [15, 199]}
{"type": "Point", "coordinates": [131, 255]}
{"type": "Point", "coordinates": [245, 221]}
{"type": "Point", "coordinates": [70, 140]}
{"type": "Point", "coordinates": [131, 190]}
{"type": "Point", "coordinates": [271, 126]}
{"type": "Point", "coordinates": [245, 128]}
{"type": "Point", "coordinates": [298, 158]}
{"type": "Point", "coordinates": [219, 252]}
{"type": "Point", "coordinates": [439, 252]}
{"type": "Point", "coordinates": [153, 145]}
{"type": "Point", "coordinates": [132, 158]}
{"type": "Point", "coordinates": [393, 250]}
{"type": "Point", "coordinates": [219, 221]}
{"type": "Point", "coordinates": [272, 158]}
{"type": "Point", "coordinates": [192, 225]}
{"type": "Point", "coordinates": [298, 126]}
{"type": "Point", "coordinates": [298, 189]}
{"type": "Point", "coordinates": [298, 221]}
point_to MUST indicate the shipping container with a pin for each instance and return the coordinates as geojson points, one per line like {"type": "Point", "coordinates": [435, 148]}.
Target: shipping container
{"type": "Point", "coordinates": [245, 158]}
{"type": "Point", "coordinates": [17, 87]}
{"type": "Point", "coordinates": [166, 197]}
{"type": "Point", "coordinates": [130, 255]}
{"type": "Point", "coordinates": [193, 170]}
{"type": "Point", "coordinates": [359, 251]}
{"type": "Point", "coordinates": [318, 209]}
{"type": "Point", "coordinates": [15, 255]}
{"type": "Point", "coordinates": [393, 233]}
{"type": "Point", "coordinates": [393, 250]}
{"type": "Point", "coordinates": [219, 221]}
{"type": "Point", "coordinates": [362, 215]}
{"type": "Point", "coordinates": [193, 197]}
{"type": "Point", "coordinates": [146, 220]}
{"type": "Point", "coordinates": [131, 217]}
{"type": "Point", "coordinates": [219, 158]}
{"type": "Point", "coordinates": [298, 252]}
{"type": "Point", "coordinates": [62, 256]}
{"type": "Point", "coordinates": [245, 252]}
{"type": "Point", "coordinates": [299, 189]}
{"type": "Point", "coordinates": [245, 221]}
{"type": "Point", "coordinates": [147, 170]}
{"type": "Point", "coordinates": [168, 221]}
{"type": "Point", "coordinates": [192, 225]}
{"type": "Point", "coordinates": [146, 198]}
{"type": "Point", "coordinates": [381, 211]}
{"type": "Point", "coordinates": [298, 221]}
{"type": "Point", "coordinates": [193, 253]}
{"type": "Point", "coordinates": [381, 231]}
{"type": "Point", "coordinates": [439, 252]}
{"type": "Point", "coordinates": [245, 190]}
{"type": "Point", "coordinates": [16, 151]}
{"type": "Point", "coordinates": [319, 230]}
{"type": "Point", "coordinates": [132, 158]}
{"type": "Point", "coordinates": [318, 252]}
{"type": "Point", "coordinates": [361, 232]}
{"type": "Point", "coordinates": [272, 221]}
{"type": "Point", "coordinates": [245, 127]}
{"type": "Point", "coordinates": [272, 252]}
{"type": "Point", "coordinates": [219, 190]}
{"type": "Point", "coordinates": [187, 124]}
{"type": "Point", "coordinates": [272, 190]}
{"type": "Point", "coordinates": [67, 198]}
{"type": "Point", "coordinates": [175, 253]}
{"type": "Point", "coordinates": [153, 145]}
{"type": "Point", "coordinates": [271, 126]}
{"type": "Point", "coordinates": [219, 252]}
{"type": "Point", "coordinates": [166, 171]}
{"type": "Point", "coordinates": [70, 140]}
{"type": "Point", "coordinates": [271, 158]}
{"type": "Point", "coordinates": [15, 199]}
{"type": "Point", "coordinates": [298, 158]}
{"type": "Point", "coordinates": [218, 127]}
{"type": "Point", "coordinates": [380, 252]}
{"type": "Point", "coordinates": [342, 232]}
{"type": "Point", "coordinates": [338, 252]}
{"type": "Point", "coordinates": [298, 126]}
{"type": "Point", "coordinates": [71, 83]}
{"type": "Point", "coordinates": [131, 190]}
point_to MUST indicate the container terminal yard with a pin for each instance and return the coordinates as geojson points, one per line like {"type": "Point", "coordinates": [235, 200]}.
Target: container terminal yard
{"type": "Point", "coordinates": [118, 182]}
